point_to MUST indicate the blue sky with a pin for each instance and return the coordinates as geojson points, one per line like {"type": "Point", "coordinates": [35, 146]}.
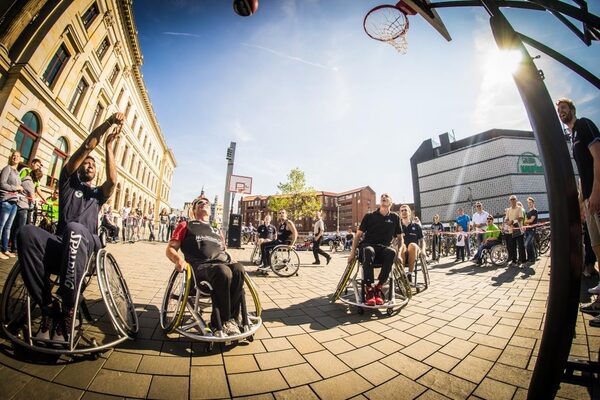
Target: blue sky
{"type": "Point", "coordinates": [299, 84]}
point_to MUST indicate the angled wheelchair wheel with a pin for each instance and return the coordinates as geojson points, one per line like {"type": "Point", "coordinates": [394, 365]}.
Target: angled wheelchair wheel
{"type": "Point", "coordinates": [255, 258]}
{"type": "Point", "coordinates": [103, 235]}
{"type": "Point", "coordinates": [401, 284]}
{"type": "Point", "coordinates": [499, 255]}
{"type": "Point", "coordinates": [116, 294]}
{"type": "Point", "coordinates": [174, 301]}
{"type": "Point", "coordinates": [284, 261]}
{"type": "Point", "coordinates": [254, 293]}
{"type": "Point", "coordinates": [424, 269]}
{"type": "Point", "coordinates": [344, 279]}
{"type": "Point", "coordinates": [13, 308]}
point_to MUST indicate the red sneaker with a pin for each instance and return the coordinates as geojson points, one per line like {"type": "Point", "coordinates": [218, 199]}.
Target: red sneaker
{"type": "Point", "coordinates": [378, 295]}
{"type": "Point", "coordinates": [370, 296]}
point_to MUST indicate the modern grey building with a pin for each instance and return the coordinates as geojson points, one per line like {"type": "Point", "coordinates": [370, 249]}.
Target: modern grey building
{"type": "Point", "coordinates": [486, 167]}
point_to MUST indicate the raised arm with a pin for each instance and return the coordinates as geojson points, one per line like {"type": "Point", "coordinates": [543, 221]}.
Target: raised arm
{"type": "Point", "coordinates": [90, 143]}
{"type": "Point", "coordinates": [111, 169]}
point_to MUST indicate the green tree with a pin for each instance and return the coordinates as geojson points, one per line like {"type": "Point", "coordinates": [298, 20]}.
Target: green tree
{"type": "Point", "coordinates": [295, 196]}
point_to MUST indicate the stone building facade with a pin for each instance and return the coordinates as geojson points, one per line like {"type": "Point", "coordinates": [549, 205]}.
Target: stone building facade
{"type": "Point", "coordinates": [65, 66]}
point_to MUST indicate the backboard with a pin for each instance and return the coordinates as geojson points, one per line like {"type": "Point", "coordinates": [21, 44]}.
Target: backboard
{"type": "Point", "coordinates": [240, 184]}
{"type": "Point", "coordinates": [429, 14]}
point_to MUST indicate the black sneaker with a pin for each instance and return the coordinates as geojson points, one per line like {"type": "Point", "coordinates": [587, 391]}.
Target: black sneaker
{"type": "Point", "coordinates": [45, 326]}
{"type": "Point", "coordinates": [595, 322]}
{"type": "Point", "coordinates": [328, 259]}
{"type": "Point", "coordinates": [317, 263]}
{"type": "Point", "coordinates": [592, 309]}
{"type": "Point", "coordinates": [63, 327]}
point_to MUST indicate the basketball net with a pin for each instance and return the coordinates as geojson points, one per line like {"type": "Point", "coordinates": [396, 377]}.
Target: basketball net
{"type": "Point", "coordinates": [389, 24]}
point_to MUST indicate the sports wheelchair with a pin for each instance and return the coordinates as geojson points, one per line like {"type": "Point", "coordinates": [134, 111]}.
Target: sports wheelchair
{"type": "Point", "coordinates": [285, 261]}
{"type": "Point", "coordinates": [351, 288]}
{"type": "Point", "coordinates": [187, 306]}
{"type": "Point", "coordinates": [20, 317]}
{"type": "Point", "coordinates": [421, 268]}
{"type": "Point", "coordinates": [497, 255]}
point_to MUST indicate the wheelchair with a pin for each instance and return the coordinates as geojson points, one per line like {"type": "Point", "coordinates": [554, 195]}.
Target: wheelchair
{"type": "Point", "coordinates": [351, 288]}
{"type": "Point", "coordinates": [187, 306]}
{"type": "Point", "coordinates": [497, 255]}
{"type": "Point", "coordinates": [255, 257]}
{"type": "Point", "coordinates": [420, 275]}
{"type": "Point", "coordinates": [285, 261]}
{"type": "Point", "coordinates": [20, 317]}
{"type": "Point", "coordinates": [104, 236]}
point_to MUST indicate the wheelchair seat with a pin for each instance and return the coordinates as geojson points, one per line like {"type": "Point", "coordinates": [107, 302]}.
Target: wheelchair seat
{"type": "Point", "coordinates": [187, 306]}
{"type": "Point", "coordinates": [21, 318]}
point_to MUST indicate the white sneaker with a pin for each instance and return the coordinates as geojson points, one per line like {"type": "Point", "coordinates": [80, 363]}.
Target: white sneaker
{"type": "Point", "coordinates": [231, 328]}
{"type": "Point", "coordinates": [9, 254]}
{"type": "Point", "coordinates": [3, 256]}
{"type": "Point", "coordinates": [594, 290]}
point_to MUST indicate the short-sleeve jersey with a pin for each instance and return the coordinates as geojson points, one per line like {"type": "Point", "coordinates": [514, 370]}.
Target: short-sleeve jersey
{"type": "Point", "coordinates": [78, 202]}
{"type": "Point", "coordinates": [283, 233]}
{"type": "Point", "coordinates": [437, 227]}
{"type": "Point", "coordinates": [267, 232]}
{"type": "Point", "coordinates": [412, 233]}
{"type": "Point", "coordinates": [463, 220]}
{"type": "Point", "coordinates": [533, 213]}
{"type": "Point", "coordinates": [200, 243]}
{"type": "Point", "coordinates": [380, 229]}
{"type": "Point", "coordinates": [584, 134]}
{"type": "Point", "coordinates": [491, 232]}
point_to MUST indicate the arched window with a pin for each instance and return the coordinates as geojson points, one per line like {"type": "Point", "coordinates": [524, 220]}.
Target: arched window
{"type": "Point", "coordinates": [27, 134]}
{"type": "Point", "coordinates": [133, 203]}
{"type": "Point", "coordinates": [59, 155]}
{"type": "Point", "coordinates": [117, 196]}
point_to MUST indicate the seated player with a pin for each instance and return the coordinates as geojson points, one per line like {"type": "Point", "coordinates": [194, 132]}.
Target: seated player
{"type": "Point", "coordinates": [378, 229]}
{"type": "Point", "coordinates": [491, 237]}
{"type": "Point", "coordinates": [286, 234]}
{"type": "Point", "coordinates": [203, 248]}
{"type": "Point", "coordinates": [349, 238]}
{"type": "Point", "coordinates": [266, 232]}
{"type": "Point", "coordinates": [66, 254]}
{"type": "Point", "coordinates": [113, 230]}
{"type": "Point", "coordinates": [413, 235]}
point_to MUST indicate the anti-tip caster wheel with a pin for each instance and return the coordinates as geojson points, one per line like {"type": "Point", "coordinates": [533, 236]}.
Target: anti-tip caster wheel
{"type": "Point", "coordinates": [250, 338]}
{"type": "Point", "coordinates": [209, 347]}
{"type": "Point", "coordinates": [361, 311]}
{"type": "Point", "coordinates": [389, 312]}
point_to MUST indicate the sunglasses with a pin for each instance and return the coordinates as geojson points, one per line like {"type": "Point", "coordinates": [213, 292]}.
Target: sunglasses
{"type": "Point", "coordinates": [478, 205]}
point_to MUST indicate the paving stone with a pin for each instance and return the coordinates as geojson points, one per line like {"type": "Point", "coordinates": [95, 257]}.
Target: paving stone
{"type": "Point", "coordinates": [100, 396]}
{"type": "Point", "coordinates": [487, 353]}
{"type": "Point", "coordinates": [376, 373]}
{"type": "Point", "coordinates": [120, 383]}
{"type": "Point", "coordinates": [120, 361]}
{"type": "Point", "coordinates": [571, 391]}
{"type": "Point", "coordinates": [298, 375]}
{"type": "Point", "coordinates": [515, 356]}
{"type": "Point", "coordinates": [492, 341]}
{"type": "Point", "coordinates": [12, 381]}
{"type": "Point", "coordinates": [472, 369]}
{"type": "Point", "coordinates": [326, 363]}
{"type": "Point", "coordinates": [400, 337]}
{"type": "Point", "coordinates": [455, 332]}
{"type": "Point", "coordinates": [338, 346]}
{"type": "Point", "coordinates": [447, 384]}
{"type": "Point", "coordinates": [305, 343]}
{"type": "Point", "coordinates": [237, 364]}
{"type": "Point", "coordinates": [511, 375]}
{"type": "Point", "coordinates": [276, 344]}
{"type": "Point", "coordinates": [439, 338]}
{"type": "Point", "coordinates": [329, 334]}
{"type": "Point", "coordinates": [420, 350]}
{"type": "Point", "coordinates": [490, 389]}
{"type": "Point", "coordinates": [398, 388]}
{"type": "Point", "coordinates": [160, 365]}
{"type": "Point", "coordinates": [364, 339]}
{"type": "Point", "coordinates": [503, 331]}
{"type": "Point", "coordinates": [278, 359]}
{"type": "Point", "coordinates": [387, 346]}
{"type": "Point", "coordinates": [285, 331]}
{"type": "Point", "coordinates": [37, 387]}
{"type": "Point", "coordinates": [169, 387]}
{"type": "Point", "coordinates": [302, 392]}
{"type": "Point", "coordinates": [79, 375]}
{"type": "Point", "coordinates": [361, 356]}
{"type": "Point", "coordinates": [256, 382]}
{"type": "Point", "coordinates": [341, 387]}
{"type": "Point", "coordinates": [406, 365]}
{"type": "Point", "coordinates": [208, 383]}
{"type": "Point", "coordinates": [442, 361]}
{"type": "Point", "coordinates": [46, 372]}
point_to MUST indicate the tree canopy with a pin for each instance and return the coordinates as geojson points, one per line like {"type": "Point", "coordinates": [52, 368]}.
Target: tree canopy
{"type": "Point", "coordinates": [295, 196]}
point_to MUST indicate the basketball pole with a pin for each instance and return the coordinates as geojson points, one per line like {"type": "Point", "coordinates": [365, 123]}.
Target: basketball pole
{"type": "Point", "coordinates": [226, 208]}
{"type": "Point", "coordinates": [566, 255]}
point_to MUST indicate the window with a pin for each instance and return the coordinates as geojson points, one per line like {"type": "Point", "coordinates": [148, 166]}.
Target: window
{"type": "Point", "coordinates": [127, 109]}
{"type": "Point", "coordinates": [124, 156]}
{"type": "Point", "coordinates": [78, 95]}
{"type": "Point", "coordinates": [27, 135]}
{"type": "Point", "coordinates": [56, 65]}
{"type": "Point", "coordinates": [131, 165]}
{"type": "Point", "coordinates": [90, 15]}
{"type": "Point", "coordinates": [97, 115]}
{"type": "Point", "coordinates": [139, 135]}
{"type": "Point", "coordinates": [59, 155]}
{"type": "Point", "coordinates": [120, 97]}
{"type": "Point", "coordinates": [117, 197]}
{"type": "Point", "coordinates": [137, 174]}
{"type": "Point", "coordinates": [114, 74]}
{"type": "Point", "coordinates": [103, 48]}
{"type": "Point", "coordinates": [134, 122]}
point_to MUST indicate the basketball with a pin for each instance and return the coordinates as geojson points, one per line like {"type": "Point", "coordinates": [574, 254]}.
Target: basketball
{"type": "Point", "coordinates": [245, 8]}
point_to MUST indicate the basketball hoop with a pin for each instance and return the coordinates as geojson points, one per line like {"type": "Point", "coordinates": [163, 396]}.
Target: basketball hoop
{"type": "Point", "coordinates": [389, 24]}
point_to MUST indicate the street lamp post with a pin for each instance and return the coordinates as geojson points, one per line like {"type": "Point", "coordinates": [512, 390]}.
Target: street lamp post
{"type": "Point", "coordinates": [337, 205]}
{"type": "Point", "coordinates": [230, 157]}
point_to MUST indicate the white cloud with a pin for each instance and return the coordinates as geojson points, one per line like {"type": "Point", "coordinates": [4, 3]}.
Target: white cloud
{"type": "Point", "coordinates": [292, 58]}
{"type": "Point", "coordinates": [185, 34]}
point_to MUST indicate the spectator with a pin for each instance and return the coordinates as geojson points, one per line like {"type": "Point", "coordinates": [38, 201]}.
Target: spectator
{"type": "Point", "coordinates": [464, 221]}
{"type": "Point", "coordinates": [163, 223]}
{"type": "Point", "coordinates": [479, 221]}
{"type": "Point", "coordinates": [436, 243]}
{"type": "Point", "coordinates": [531, 219]}
{"type": "Point", "coordinates": [349, 239]}
{"type": "Point", "coordinates": [10, 185]}
{"type": "Point", "coordinates": [25, 198]}
{"type": "Point", "coordinates": [125, 211]}
{"type": "Point", "coordinates": [490, 239]}
{"type": "Point", "coordinates": [150, 219]}
{"type": "Point", "coordinates": [461, 240]}
{"type": "Point", "coordinates": [514, 220]}
{"type": "Point", "coordinates": [35, 164]}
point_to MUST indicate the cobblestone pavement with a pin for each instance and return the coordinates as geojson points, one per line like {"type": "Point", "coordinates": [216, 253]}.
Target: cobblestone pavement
{"type": "Point", "coordinates": [474, 334]}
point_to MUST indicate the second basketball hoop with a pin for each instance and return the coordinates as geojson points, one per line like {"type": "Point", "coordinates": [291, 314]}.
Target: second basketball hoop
{"type": "Point", "coordinates": [388, 23]}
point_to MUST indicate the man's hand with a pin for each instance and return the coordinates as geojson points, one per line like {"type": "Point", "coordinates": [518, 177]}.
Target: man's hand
{"type": "Point", "coordinates": [112, 137]}
{"type": "Point", "coordinates": [351, 256]}
{"type": "Point", "coordinates": [594, 201]}
{"type": "Point", "coordinates": [180, 265]}
{"type": "Point", "coordinates": [117, 118]}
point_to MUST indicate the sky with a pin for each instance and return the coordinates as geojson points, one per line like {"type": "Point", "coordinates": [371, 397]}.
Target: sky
{"type": "Point", "coordinates": [300, 85]}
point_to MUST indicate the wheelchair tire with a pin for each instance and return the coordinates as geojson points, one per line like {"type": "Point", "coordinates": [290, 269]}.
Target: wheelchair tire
{"type": "Point", "coordinates": [284, 261]}
{"type": "Point", "coordinates": [499, 255]}
{"type": "Point", "coordinates": [103, 235]}
{"type": "Point", "coordinates": [253, 293]}
{"type": "Point", "coordinates": [116, 294]}
{"type": "Point", "coordinates": [175, 299]}
{"type": "Point", "coordinates": [401, 281]}
{"type": "Point", "coordinates": [424, 270]}
{"type": "Point", "coordinates": [343, 283]}
{"type": "Point", "coordinates": [13, 308]}
{"type": "Point", "coordinates": [255, 258]}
